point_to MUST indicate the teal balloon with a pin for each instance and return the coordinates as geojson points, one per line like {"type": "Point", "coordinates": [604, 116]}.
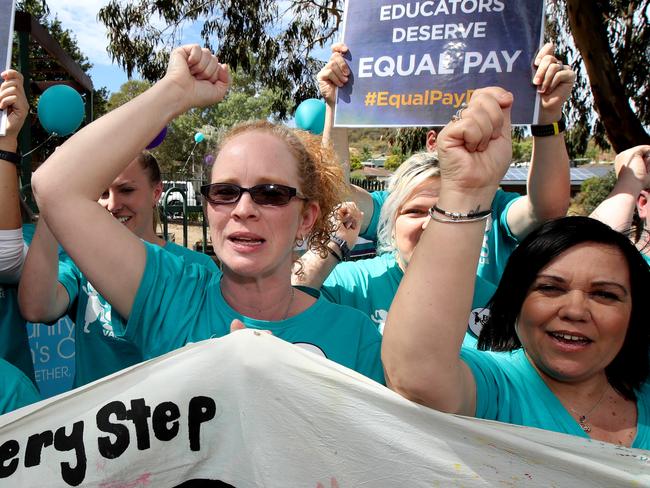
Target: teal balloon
{"type": "Point", "coordinates": [310, 115]}
{"type": "Point", "coordinates": [198, 137]}
{"type": "Point", "coordinates": [60, 110]}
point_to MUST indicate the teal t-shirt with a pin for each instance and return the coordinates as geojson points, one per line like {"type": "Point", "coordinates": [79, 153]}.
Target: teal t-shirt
{"type": "Point", "coordinates": [498, 241]}
{"type": "Point", "coordinates": [14, 343]}
{"type": "Point", "coordinates": [99, 349]}
{"type": "Point", "coordinates": [369, 285]}
{"type": "Point", "coordinates": [647, 258]}
{"type": "Point", "coordinates": [378, 199]}
{"type": "Point", "coordinates": [178, 303]}
{"type": "Point", "coordinates": [16, 390]}
{"type": "Point", "coordinates": [509, 389]}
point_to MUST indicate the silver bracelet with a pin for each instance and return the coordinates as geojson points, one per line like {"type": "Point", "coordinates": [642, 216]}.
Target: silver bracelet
{"type": "Point", "coordinates": [457, 219]}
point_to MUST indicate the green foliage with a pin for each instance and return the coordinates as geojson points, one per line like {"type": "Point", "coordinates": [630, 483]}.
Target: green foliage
{"type": "Point", "coordinates": [128, 91]}
{"type": "Point", "coordinates": [44, 68]}
{"type": "Point", "coordinates": [394, 161]}
{"type": "Point", "coordinates": [411, 139]}
{"type": "Point", "coordinates": [355, 163]}
{"type": "Point", "coordinates": [377, 140]}
{"type": "Point", "coordinates": [522, 150]}
{"type": "Point", "coordinates": [269, 39]}
{"type": "Point", "coordinates": [365, 153]}
{"type": "Point", "coordinates": [247, 100]}
{"type": "Point", "coordinates": [592, 192]}
{"type": "Point", "coordinates": [627, 24]}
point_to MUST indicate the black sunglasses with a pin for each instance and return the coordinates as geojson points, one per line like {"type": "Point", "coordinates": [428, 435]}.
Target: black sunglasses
{"type": "Point", "coordinates": [267, 194]}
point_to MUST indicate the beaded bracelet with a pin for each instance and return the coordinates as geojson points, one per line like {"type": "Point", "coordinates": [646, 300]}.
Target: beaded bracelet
{"type": "Point", "coordinates": [459, 217]}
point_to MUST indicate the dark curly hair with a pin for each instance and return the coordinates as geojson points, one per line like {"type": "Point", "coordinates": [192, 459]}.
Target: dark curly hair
{"type": "Point", "coordinates": [629, 369]}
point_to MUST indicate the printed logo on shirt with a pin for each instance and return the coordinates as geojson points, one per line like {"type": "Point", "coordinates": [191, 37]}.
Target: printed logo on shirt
{"type": "Point", "coordinates": [484, 258]}
{"type": "Point", "coordinates": [477, 319]}
{"type": "Point", "coordinates": [3, 293]}
{"type": "Point", "coordinates": [379, 318]}
{"type": "Point", "coordinates": [97, 311]}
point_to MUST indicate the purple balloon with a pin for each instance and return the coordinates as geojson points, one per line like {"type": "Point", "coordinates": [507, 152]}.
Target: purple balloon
{"type": "Point", "coordinates": [157, 141]}
{"type": "Point", "coordinates": [208, 159]}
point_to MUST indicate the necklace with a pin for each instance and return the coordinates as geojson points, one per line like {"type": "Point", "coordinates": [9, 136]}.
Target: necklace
{"type": "Point", "coordinates": [582, 419]}
{"type": "Point", "coordinates": [293, 294]}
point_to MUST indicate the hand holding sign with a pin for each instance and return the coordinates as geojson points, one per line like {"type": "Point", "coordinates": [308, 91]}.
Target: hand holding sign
{"type": "Point", "coordinates": [13, 99]}
{"type": "Point", "coordinates": [334, 74]}
{"type": "Point", "coordinates": [555, 81]}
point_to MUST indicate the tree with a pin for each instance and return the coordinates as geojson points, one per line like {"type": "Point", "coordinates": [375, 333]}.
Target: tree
{"type": "Point", "coordinates": [522, 150]}
{"type": "Point", "coordinates": [355, 163]}
{"type": "Point", "coordinates": [608, 43]}
{"type": "Point", "coordinates": [247, 100]}
{"type": "Point", "coordinates": [44, 68]}
{"type": "Point", "coordinates": [393, 161]}
{"type": "Point", "coordinates": [128, 91]}
{"type": "Point", "coordinates": [269, 39]}
{"type": "Point", "coordinates": [365, 154]}
{"type": "Point", "coordinates": [592, 192]}
{"type": "Point", "coordinates": [273, 41]}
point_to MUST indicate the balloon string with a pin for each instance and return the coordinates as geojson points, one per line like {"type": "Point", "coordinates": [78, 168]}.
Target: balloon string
{"type": "Point", "coordinates": [53, 134]}
{"type": "Point", "coordinates": [188, 158]}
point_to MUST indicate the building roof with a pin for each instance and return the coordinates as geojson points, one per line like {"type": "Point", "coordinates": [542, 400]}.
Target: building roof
{"type": "Point", "coordinates": [519, 176]}
{"type": "Point", "coordinates": [376, 172]}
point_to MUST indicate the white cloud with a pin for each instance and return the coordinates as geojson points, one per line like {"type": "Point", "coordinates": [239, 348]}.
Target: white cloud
{"type": "Point", "coordinates": [80, 17]}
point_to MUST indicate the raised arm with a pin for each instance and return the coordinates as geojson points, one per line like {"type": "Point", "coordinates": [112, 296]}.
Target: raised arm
{"type": "Point", "coordinates": [40, 295]}
{"type": "Point", "coordinates": [633, 173]}
{"type": "Point", "coordinates": [428, 317]}
{"type": "Point", "coordinates": [315, 269]}
{"type": "Point", "coordinates": [335, 74]}
{"type": "Point", "coordinates": [68, 185]}
{"type": "Point", "coordinates": [13, 100]}
{"type": "Point", "coordinates": [549, 184]}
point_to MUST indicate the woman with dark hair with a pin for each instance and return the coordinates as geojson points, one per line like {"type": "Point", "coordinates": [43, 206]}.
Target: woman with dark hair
{"type": "Point", "coordinates": [53, 286]}
{"type": "Point", "coordinates": [569, 308]}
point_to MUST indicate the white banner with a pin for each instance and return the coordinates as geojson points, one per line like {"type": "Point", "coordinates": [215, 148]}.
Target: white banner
{"type": "Point", "coordinates": [251, 410]}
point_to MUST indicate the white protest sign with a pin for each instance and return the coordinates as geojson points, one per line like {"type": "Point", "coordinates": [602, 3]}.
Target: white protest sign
{"type": "Point", "coordinates": [251, 410]}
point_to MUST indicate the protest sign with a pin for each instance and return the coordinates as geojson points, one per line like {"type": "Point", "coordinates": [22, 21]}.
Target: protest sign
{"type": "Point", "coordinates": [6, 39]}
{"type": "Point", "coordinates": [414, 63]}
{"type": "Point", "coordinates": [251, 410]}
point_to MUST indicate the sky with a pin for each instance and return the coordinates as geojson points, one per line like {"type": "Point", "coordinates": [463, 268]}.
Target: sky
{"type": "Point", "coordinates": [80, 17]}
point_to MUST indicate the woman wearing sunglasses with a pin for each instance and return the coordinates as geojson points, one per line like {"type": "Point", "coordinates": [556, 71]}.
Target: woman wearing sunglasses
{"type": "Point", "coordinates": [51, 288]}
{"type": "Point", "coordinates": [270, 189]}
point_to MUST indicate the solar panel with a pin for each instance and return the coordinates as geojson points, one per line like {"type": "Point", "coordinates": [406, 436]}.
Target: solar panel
{"type": "Point", "coordinates": [577, 175]}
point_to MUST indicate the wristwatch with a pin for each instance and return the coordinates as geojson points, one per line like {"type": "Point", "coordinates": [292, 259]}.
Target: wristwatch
{"type": "Point", "coordinates": [12, 157]}
{"type": "Point", "coordinates": [343, 246]}
{"type": "Point", "coordinates": [549, 130]}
